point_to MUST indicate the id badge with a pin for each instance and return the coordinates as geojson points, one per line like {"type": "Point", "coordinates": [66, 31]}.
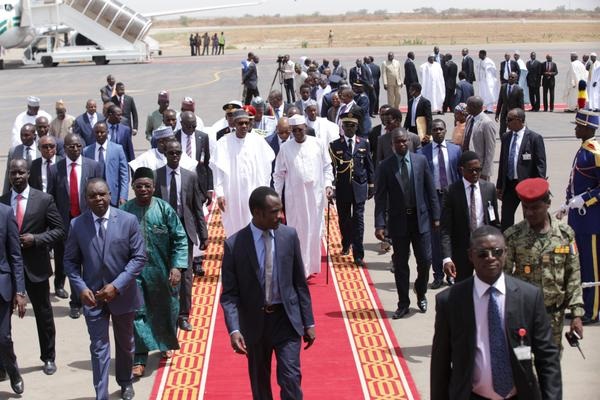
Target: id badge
{"type": "Point", "coordinates": [526, 157]}
{"type": "Point", "coordinates": [491, 213]}
{"type": "Point", "coordinates": [522, 353]}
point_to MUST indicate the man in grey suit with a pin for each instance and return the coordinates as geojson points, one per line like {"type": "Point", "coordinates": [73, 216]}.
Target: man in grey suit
{"type": "Point", "coordinates": [490, 331]}
{"type": "Point", "coordinates": [384, 142]}
{"type": "Point", "coordinates": [404, 181]}
{"type": "Point", "coordinates": [509, 98]}
{"type": "Point", "coordinates": [180, 188]}
{"type": "Point", "coordinates": [104, 254]}
{"type": "Point", "coordinates": [84, 124]}
{"type": "Point", "coordinates": [250, 81]}
{"type": "Point", "coordinates": [265, 298]}
{"type": "Point", "coordinates": [480, 135]}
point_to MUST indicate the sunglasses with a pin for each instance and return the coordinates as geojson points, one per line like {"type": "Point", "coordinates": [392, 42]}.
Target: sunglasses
{"type": "Point", "coordinates": [473, 170]}
{"type": "Point", "coordinates": [485, 253]}
{"type": "Point", "coordinates": [48, 146]}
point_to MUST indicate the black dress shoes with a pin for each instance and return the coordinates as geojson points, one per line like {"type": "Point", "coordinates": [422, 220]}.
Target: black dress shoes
{"type": "Point", "coordinates": [75, 312]}
{"type": "Point", "coordinates": [197, 266]}
{"type": "Point", "coordinates": [127, 392]}
{"type": "Point", "coordinates": [16, 383]}
{"type": "Point", "coordinates": [2, 374]}
{"type": "Point", "coordinates": [49, 367]}
{"type": "Point", "coordinates": [185, 325]}
{"type": "Point", "coordinates": [400, 312]}
{"type": "Point", "coordinates": [61, 293]}
{"type": "Point", "coordinates": [436, 284]}
{"type": "Point", "coordinates": [359, 262]}
{"type": "Point", "coordinates": [345, 251]}
{"type": "Point", "coordinates": [422, 303]}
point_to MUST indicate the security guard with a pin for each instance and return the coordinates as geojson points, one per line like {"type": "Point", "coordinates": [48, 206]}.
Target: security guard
{"type": "Point", "coordinates": [541, 250]}
{"type": "Point", "coordinates": [354, 184]}
{"type": "Point", "coordinates": [229, 108]}
{"type": "Point", "coordinates": [583, 206]}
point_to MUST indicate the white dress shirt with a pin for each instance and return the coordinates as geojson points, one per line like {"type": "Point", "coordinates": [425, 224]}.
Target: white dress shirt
{"type": "Point", "coordinates": [413, 114]}
{"type": "Point", "coordinates": [104, 223]}
{"type": "Point", "coordinates": [97, 151]}
{"type": "Point", "coordinates": [13, 200]}
{"type": "Point", "coordinates": [515, 160]}
{"type": "Point", "coordinates": [44, 174]}
{"type": "Point", "coordinates": [478, 200]}
{"type": "Point", "coordinates": [93, 119]}
{"type": "Point", "coordinates": [184, 140]}
{"type": "Point", "coordinates": [436, 165]}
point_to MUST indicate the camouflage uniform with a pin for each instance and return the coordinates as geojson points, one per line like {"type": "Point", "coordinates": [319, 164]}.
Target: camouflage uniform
{"type": "Point", "coordinates": [549, 261]}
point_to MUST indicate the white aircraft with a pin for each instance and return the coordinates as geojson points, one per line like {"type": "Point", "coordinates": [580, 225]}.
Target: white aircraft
{"type": "Point", "coordinates": [25, 22]}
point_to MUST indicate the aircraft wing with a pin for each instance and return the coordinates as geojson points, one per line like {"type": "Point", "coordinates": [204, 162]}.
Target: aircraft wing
{"type": "Point", "coordinates": [201, 9]}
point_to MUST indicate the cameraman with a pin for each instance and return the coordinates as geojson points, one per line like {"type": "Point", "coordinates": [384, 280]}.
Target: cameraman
{"type": "Point", "coordinates": [287, 68]}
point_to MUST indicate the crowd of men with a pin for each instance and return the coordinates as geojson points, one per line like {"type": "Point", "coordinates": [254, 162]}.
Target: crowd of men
{"type": "Point", "coordinates": [211, 45]}
{"type": "Point", "coordinates": [132, 261]}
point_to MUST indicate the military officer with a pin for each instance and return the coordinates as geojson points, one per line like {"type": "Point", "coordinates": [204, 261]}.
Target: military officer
{"type": "Point", "coordinates": [583, 207]}
{"type": "Point", "coordinates": [229, 108]}
{"type": "Point", "coordinates": [541, 250]}
{"type": "Point", "coordinates": [354, 184]}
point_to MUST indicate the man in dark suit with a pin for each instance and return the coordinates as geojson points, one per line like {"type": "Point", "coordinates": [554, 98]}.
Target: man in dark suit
{"type": "Point", "coordinates": [534, 74]}
{"type": "Point", "coordinates": [522, 156]}
{"type": "Point", "coordinates": [250, 81]}
{"type": "Point", "coordinates": [548, 71]}
{"type": "Point", "coordinates": [109, 90]}
{"type": "Point", "coordinates": [265, 298]}
{"type": "Point", "coordinates": [507, 67]}
{"type": "Point", "coordinates": [510, 97]}
{"type": "Point", "coordinates": [490, 330]}
{"type": "Point", "coordinates": [362, 100]}
{"type": "Point", "coordinates": [442, 159]}
{"type": "Point", "coordinates": [467, 66]}
{"type": "Point", "coordinates": [180, 188]}
{"type": "Point", "coordinates": [119, 133]}
{"type": "Point", "coordinates": [27, 150]}
{"type": "Point", "coordinates": [405, 184]}
{"type": "Point", "coordinates": [127, 106]}
{"type": "Point", "coordinates": [104, 254]}
{"type": "Point", "coordinates": [354, 180]}
{"type": "Point", "coordinates": [40, 226]}
{"type": "Point", "coordinates": [461, 216]}
{"type": "Point", "coordinates": [84, 124]}
{"type": "Point", "coordinates": [69, 195]}
{"type": "Point", "coordinates": [113, 164]}
{"type": "Point", "coordinates": [464, 90]}
{"type": "Point", "coordinates": [450, 73]}
{"type": "Point", "coordinates": [360, 73]}
{"type": "Point", "coordinates": [418, 106]}
{"type": "Point", "coordinates": [378, 130]}
{"type": "Point", "coordinates": [348, 105]}
{"type": "Point", "coordinates": [12, 294]}
{"type": "Point", "coordinates": [376, 74]}
{"type": "Point", "coordinates": [384, 143]}
{"type": "Point", "coordinates": [40, 177]}
{"type": "Point", "coordinates": [410, 73]}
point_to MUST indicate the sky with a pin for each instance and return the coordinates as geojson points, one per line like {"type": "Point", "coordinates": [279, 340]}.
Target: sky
{"type": "Point", "coordinates": [291, 7]}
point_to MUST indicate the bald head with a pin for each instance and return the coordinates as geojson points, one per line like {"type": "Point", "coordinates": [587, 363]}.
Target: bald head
{"type": "Point", "coordinates": [283, 128]}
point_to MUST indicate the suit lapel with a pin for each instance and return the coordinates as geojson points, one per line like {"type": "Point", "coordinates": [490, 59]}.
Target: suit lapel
{"type": "Point", "coordinates": [94, 237]}
{"type": "Point", "coordinates": [524, 145]}
{"type": "Point", "coordinates": [512, 303]}
{"type": "Point", "coordinates": [111, 226]}
{"type": "Point", "coordinates": [162, 179]}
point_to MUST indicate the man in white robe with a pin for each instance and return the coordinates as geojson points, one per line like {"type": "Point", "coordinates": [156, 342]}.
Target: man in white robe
{"type": "Point", "coordinates": [593, 85]}
{"type": "Point", "coordinates": [155, 158]}
{"type": "Point", "coordinates": [575, 73]}
{"type": "Point", "coordinates": [522, 76]}
{"type": "Point", "coordinates": [487, 81]}
{"type": "Point", "coordinates": [27, 117]}
{"type": "Point", "coordinates": [304, 169]}
{"type": "Point", "coordinates": [325, 130]}
{"type": "Point", "coordinates": [241, 163]}
{"type": "Point", "coordinates": [434, 88]}
{"type": "Point", "coordinates": [322, 90]}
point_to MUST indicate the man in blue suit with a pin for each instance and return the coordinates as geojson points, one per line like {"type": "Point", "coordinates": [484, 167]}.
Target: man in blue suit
{"type": "Point", "coordinates": [442, 158]}
{"type": "Point", "coordinates": [84, 124]}
{"type": "Point", "coordinates": [265, 298]}
{"type": "Point", "coordinates": [405, 183]}
{"type": "Point", "coordinates": [113, 163]}
{"type": "Point", "coordinates": [118, 132]}
{"type": "Point", "coordinates": [104, 255]}
{"type": "Point", "coordinates": [464, 90]}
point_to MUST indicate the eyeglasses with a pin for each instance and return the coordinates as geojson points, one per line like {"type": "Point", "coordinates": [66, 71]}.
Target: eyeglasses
{"type": "Point", "coordinates": [73, 146]}
{"type": "Point", "coordinates": [508, 119]}
{"type": "Point", "coordinates": [496, 252]}
{"type": "Point", "coordinates": [473, 170]}
{"type": "Point", "coordinates": [174, 152]}
{"type": "Point", "coordinates": [47, 146]}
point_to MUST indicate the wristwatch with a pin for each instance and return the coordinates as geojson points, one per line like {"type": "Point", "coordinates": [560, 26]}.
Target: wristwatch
{"type": "Point", "coordinates": [22, 294]}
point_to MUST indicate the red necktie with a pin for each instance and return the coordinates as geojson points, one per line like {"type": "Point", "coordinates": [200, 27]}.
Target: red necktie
{"type": "Point", "coordinates": [20, 211]}
{"type": "Point", "coordinates": [74, 192]}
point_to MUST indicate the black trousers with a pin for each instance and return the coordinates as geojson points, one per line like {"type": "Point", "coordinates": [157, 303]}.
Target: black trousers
{"type": "Point", "coordinates": [288, 84]}
{"type": "Point", "coordinates": [250, 93]}
{"type": "Point", "coordinates": [436, 250]}
{"type": "Point", "coordinates": [549, 87]}
{"type": "Point", "coordinates": [421, 243]}
{"type": "Point", "coordinates": [39, 295]}
{"type": "Point", "coordinates": [280, 337]}
{"type": "Point", "coordinates": [185, 287]}
{"type": "Point", "coordinates": [534, 97]}
{"type": "Point", "coordinates": [352, 225]}
{"type": "Point", "coordinates": [510, 203]}
{"type": "Point", "coordinates": [376, 90]}
{"type": "Point", "coordinates": [8, 359]}
{"type": "Point", "coordinates": [59, 274]}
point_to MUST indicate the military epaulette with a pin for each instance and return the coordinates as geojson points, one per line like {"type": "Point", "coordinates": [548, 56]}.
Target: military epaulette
{"type": "Point", "coordinates": [566, 230]}
{"type": "Point", "coordinates": [593, 147]}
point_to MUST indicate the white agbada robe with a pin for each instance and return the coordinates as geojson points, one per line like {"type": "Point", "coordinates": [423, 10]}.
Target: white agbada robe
{"type": "Point", "coordinates": [594, 92]}
{"type": "Point", "coordinates": [575, 73]}
{"type": "Point", "coordinates": [487, 82]}
{"type": "Point", "coordinates": [304, 170]}
{"type": "Point", "coordinates": [523, 80]}
{"type": "Point", "coordinates": [239, 166]}
{"type": "Point", "coordinates": [154, 160]}
{"type": "Point", "coordinates": [22, 119]}
{"type": "Point", "coordinates": [325, 130]}
{"type": "Point", "coordinates": [320, 93]}
{"type": "Point", "coordinates": [434, 88]}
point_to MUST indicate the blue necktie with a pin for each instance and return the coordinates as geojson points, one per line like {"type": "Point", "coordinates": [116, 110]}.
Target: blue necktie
{"type": "Point", "coordinates": [442, 168]}
{"type": "Point", "coordinates": [501, 370]}
{"type": "Point", "coordinates": [511, 157]}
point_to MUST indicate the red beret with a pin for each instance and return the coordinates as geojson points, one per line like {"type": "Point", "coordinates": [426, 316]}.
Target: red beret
{"type": "Point", "coordinates": [250, 110]}
{"type": "Point", "coordinates": [532, 189]}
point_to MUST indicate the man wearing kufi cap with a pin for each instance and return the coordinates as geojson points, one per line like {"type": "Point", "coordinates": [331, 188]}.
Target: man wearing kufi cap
{"type": "Point", "coordinates": [583, 207]}
{"type": "Point", "coordinates": [155, 120]}
{"type": "Point", "coordinates": [303, 169]}
{"type": "Point", "coordinates": [541, 250]}
{"type": "Point", "coordinates": [63, 123]}
{"type": "Point", "coordinates": [155, 158]}
{"type": "Point", "coordinates": [188, 104]}
{"type": "Point", "coordinates": [27, 117]}
{"type": "Point", "coordinates": [575, 73]}
{"type": "Point", "coordinates": [593, 83]}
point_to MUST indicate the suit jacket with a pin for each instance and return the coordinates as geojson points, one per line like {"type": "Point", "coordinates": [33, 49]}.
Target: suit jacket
{"type": "Point", "coordinates": [506, 102]}
{"type": "Point", "coordinates": [464, 90]}
{"type": "Point", "coordinates": [374, 135]}
{"type": "Point", "coordinates": [82, 127]}
{"type": "Point", "coordinates": [116, 170]}
{"type": "Point", "coordinates": [250, 77]}
{"type": "Point", "coordinates": [531, 161]}
{"type": "Point", "coordinates": [106, 93]}
{"type": "Point", "coordinates": [122, 135]}
{"type": "Point", "coordinates": [483, 141]}
{"type": "Point", "coordinates": [375, 73]}
{"type": "Point", "coordinates": [534, 73]}
{"type": "Point", "coordinates": [35, 174]}
{"type": "Point", "coordinates": [119, 262]}
{"type": "Point", "coordinates": [60, 186]}
{"type": "Point", "coordinates": [129, 110]}
{"type": "Point", "coordinates": [423, 110]}
{"type": "Point", "coordinates": [384, 146]}
{"type": "Point", "coordinates": [410, 72]}
{"type": "Point", "coordinates": [191, 199]}
{"type": "Point", "coordinates": [15, 153]}
{"type": "Point", "coordinates": [514, 67]}
{"type": "Point", "coordinates": [273, 141]}
{"type": "Point", "coordinates": [450, 74]}
{"type": "Point", "coordinates": [453, 349]}
{"type": "Point", "coordinates": [455, 230]}
{"type": "Point", "coordinates": [351, 184]}
{"type": "Point", "coordinates": [365, 75]}
{"type": "Point", "coordinates": [362, 101]}
{"type": "Point", "coordinates": [389, 192]}
{"type": "Point", "coordinates": [340, 71]}
{"type": "Point", "coordinates": [243, 295]}
{"type": "Point", "coordinates": [468, 68]}
{"type": "Point", "coordinates": [205, 176]}
{"type": "Point", "coordinates": [454, 153]}
{"type": "Point", "coordinates": [548, 79]}
{"type": "Point", "coordinates": [11, 263]}
{"type": "Point", "coordinates": [42, 220]}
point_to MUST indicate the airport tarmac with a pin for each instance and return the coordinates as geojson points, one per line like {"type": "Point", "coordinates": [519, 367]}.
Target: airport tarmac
{"type": "Point", "coordinates": [212, 81]}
